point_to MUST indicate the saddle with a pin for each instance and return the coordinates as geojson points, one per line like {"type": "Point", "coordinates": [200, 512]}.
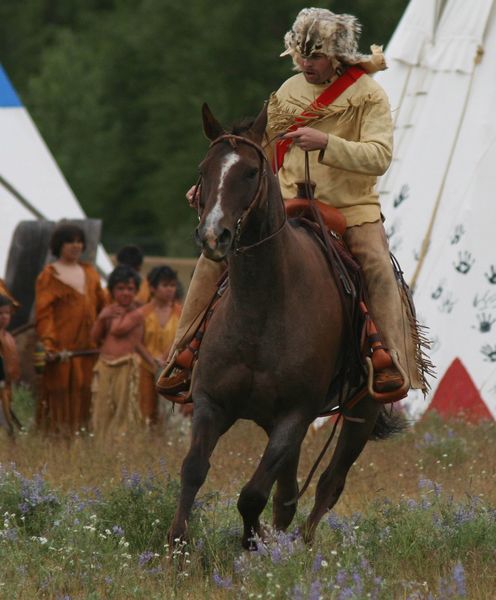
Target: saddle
{"type": "Point", "coordinates": [367, 355]}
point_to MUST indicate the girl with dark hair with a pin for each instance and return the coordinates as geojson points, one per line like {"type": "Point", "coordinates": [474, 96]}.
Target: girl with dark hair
{"type": "Point", "coordinates": [161, 318]}
{"type": "Point", "coordinates": [68, 299]}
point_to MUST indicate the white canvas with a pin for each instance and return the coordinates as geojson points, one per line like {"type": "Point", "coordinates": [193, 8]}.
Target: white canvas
{"type": "Point", "coordinates": [438, 195]}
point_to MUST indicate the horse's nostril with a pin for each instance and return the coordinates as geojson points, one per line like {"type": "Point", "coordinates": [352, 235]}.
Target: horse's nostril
{"type": "Point", "coordinates": [225, 237]}
{"type": "Point", "coordinates": [198, 240]}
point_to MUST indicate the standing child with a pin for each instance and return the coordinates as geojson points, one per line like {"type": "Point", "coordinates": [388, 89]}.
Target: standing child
{"type": "Point", "coordinates": [68, 299]}
{"type": "Point", "coordinates": [161, 318]}
{"type": "Point", "coordinates": [9, 366]}
{"type": "Point", "coordinates": [118, 331]}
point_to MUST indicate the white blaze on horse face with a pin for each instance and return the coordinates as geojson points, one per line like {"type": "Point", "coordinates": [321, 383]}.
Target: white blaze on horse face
{"type": "Point", "coordinates": [216, 214]}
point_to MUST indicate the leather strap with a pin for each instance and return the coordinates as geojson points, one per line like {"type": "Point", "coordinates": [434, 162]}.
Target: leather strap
{"type": "Point", "coordinates": [333, 91]}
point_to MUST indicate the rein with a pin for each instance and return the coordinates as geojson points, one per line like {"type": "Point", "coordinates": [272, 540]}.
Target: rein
{"type": "Point", "coordinates": [233, 140]}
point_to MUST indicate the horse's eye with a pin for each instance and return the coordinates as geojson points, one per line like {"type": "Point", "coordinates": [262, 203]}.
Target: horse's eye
{"type": "Point", "coordinates": [252, 173]}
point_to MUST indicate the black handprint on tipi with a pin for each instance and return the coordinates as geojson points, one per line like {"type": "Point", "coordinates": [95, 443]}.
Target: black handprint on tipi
{"type": "Point", "coordinates": [465, 262]}
{"type": "Point", "coordinates": [489, 352]}
{"type": "Point", "coordinates": [485, 322]}
{"type": "Point", "coordinates": [402, 196]}
{"type": "Point", "coordinates": [491, 276]}
{"type": "Point", "coordinates": [485, 301]}
{"type": "Point", "coordinates": [457, 234]}
{"type": "Point", "coordinates": [436, 294]}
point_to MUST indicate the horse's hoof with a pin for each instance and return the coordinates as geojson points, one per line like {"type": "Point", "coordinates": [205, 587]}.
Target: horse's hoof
{"type": "Point", "coordinates": [176, 540]}
{"type": "Point", "coordinates": [307, 534]}
{"type": "Point", "coordinates": [250, 544]}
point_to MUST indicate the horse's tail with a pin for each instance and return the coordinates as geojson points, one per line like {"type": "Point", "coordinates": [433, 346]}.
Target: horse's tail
{"type": "Point", "coordinates": [389, 422]}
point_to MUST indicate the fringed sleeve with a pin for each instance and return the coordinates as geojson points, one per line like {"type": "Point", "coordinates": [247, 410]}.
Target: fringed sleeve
{"type": "Point", "coordinates": [44, 305]}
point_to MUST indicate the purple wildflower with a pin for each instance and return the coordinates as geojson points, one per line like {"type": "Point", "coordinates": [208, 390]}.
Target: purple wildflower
{"type": "Point", "coordinates": [118, 531]}
{"type": "Point", "coordinates": [335, 522]}
{"type": "Point", "coordinates": [9, 534]}
{"type": "Point", "coordinates": [317, 563]}
{"type": "Point", "coordinates": [425, 504]}
{"type": "Point", "coordinates": [315, 589]}
{"type": "Point", "coordinates": [429, 439]}
{"type": "Point", "coordinates": [458, 578]}
{"type": "Point", "coordinates": [341, 577]}
{"type": "Point", "coordinates": [225, 584]}
{"type": "Point", "coordinates": [133, 481]}
{"type": "Point", "coordinates": [240, 564]}
{"type": "Point", "coordinates": [34, 493]}
{"type": "Point", "coordinates": [425, 484]}
{"type": "Point", "coordinates": [358, 583]}
{"type": "Point", "coordinates": [297, 593]}
{"type": "Point", "coordinates": [145, 557]}
{"type": "Point", "coordinates": [438, 488]}
{"type": "Point", "coordinates": [276, 555]}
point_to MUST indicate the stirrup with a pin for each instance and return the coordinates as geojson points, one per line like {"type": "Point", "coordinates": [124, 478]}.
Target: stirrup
{"type": "Point", "coordinates": [393, 395]}
{"type": "Point", "coordinates": [174, 382]}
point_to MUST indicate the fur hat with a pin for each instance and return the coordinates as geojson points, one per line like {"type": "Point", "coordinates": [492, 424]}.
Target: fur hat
{"type": "Point", "coordinates": [318, 30]}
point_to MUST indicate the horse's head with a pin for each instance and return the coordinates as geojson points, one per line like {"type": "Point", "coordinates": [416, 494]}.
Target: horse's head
{"type": "Point", "coordinates": [232, 177]}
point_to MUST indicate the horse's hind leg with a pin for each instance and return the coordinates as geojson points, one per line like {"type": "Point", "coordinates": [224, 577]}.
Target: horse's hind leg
{"type": "Point", "coordinates": [352, 439]}
{"type": "Point", "coordinates": [207, 427]}
{"type": "Point", "coordinates": [281, 453]}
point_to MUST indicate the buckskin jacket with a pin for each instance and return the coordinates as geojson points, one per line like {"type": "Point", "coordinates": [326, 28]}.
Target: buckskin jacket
{"type": "Point", "coordinates": [359, 148]}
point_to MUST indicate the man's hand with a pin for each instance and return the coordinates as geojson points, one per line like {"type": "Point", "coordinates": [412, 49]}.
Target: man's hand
{"type": "Point", "coordinates": [307, 138]}
{"type": "Point", "coordinates": [191, 197]}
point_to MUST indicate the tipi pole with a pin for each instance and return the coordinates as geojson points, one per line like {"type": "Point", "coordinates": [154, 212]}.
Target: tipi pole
{"type": "Point", "coordinates": [22, 200]}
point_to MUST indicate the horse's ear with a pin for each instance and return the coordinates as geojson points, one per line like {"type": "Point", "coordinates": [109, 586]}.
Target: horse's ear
{"type": "Point", "coordinates": [212, 128]}
{"type": "Point", "coordinates": [260, 124]}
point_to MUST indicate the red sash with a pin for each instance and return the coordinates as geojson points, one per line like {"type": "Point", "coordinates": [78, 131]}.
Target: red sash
{"type": "Point", "coordinates": [330, 94]}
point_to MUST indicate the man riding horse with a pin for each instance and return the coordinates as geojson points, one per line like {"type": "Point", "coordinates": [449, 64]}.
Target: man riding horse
{"type": "Point", "coordinates": [334, 111]}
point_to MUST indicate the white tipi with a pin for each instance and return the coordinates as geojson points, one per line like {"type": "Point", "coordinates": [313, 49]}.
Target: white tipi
{"type": "Point", "coordinates": [31, 184]}
{"type": "Point", "coordinates": [439, 193]}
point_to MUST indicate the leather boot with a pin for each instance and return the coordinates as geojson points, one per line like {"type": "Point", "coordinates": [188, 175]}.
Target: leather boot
{"type": "Point", "coordinates": [172, 380]}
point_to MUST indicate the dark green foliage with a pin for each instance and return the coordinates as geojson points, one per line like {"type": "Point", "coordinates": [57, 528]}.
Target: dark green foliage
{"type": "Point", "coordinates": [116, 88]}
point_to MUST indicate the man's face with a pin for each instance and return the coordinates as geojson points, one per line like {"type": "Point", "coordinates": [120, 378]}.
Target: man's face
{"type": "Point", "coordinates": [124, 292]}
{"type": "Point", "coordinates": [316, 68]}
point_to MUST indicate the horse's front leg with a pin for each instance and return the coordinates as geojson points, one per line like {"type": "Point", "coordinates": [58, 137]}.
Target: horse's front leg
{"type": "Point", "coordinates": [281, 453]}
{"type": "Point", "coordinates": [207, 427]}
{"type": "Point", "coordinates": [352, 439]}
{"type": "Point", "coordinates": [285, 498]}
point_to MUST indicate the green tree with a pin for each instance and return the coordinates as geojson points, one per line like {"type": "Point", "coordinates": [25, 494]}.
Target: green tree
{"type": "Point", "coordinates": [116, 88]}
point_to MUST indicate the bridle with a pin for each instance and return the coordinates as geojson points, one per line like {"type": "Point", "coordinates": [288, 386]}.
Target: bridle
{"type": "Point", "coordinates": [234, 140]}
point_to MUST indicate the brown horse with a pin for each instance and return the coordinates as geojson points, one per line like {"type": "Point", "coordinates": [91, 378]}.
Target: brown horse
{"type": "Point", "coordinates": [274, 342]}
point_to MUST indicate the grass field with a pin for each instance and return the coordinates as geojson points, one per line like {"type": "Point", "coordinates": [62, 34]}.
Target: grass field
{"type": "Point", "coordinates": [417, 519]}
